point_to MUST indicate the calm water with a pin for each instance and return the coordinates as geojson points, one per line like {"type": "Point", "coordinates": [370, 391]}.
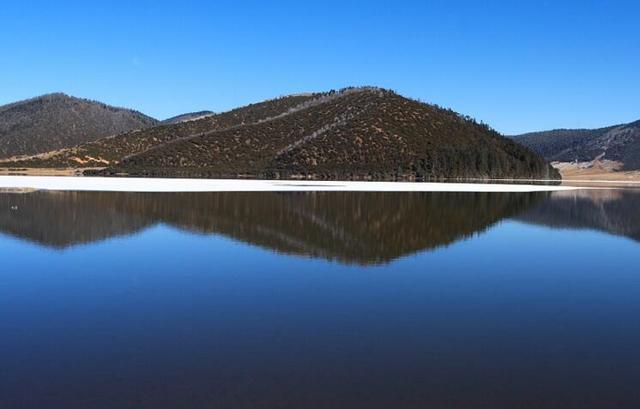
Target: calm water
{"type": "Point", "coordinates": [320, 300]}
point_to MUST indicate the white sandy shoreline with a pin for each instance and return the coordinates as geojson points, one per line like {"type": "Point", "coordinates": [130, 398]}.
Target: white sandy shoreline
{"type": "Point", "coordinates": [112, 184]}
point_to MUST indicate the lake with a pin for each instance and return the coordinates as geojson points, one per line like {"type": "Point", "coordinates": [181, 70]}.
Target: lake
{"type": "Point", "coordinates": [320, 300]}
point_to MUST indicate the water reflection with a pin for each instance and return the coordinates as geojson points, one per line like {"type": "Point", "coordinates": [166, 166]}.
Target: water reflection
{"type": "Point", "coordinates": [362, 228]}
{"type": "Point", "coordinates": [613, 211]}
{"type": "Point", "coordinates": [516, 317]}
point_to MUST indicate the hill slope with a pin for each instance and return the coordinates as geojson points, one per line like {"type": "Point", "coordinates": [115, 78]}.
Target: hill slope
{"type": "Point", "coordinates": [57, 121]}
{"type": "Point", "coordinates": [111, 150]}
{"type": "Point", "coordinates": [362, 133]}
{"type": "Point", "coordinates": [620, 143]}
{"type": "Point", "coordinates": [356, 133]}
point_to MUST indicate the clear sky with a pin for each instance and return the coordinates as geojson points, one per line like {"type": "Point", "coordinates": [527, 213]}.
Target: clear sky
{"type": "Point", "coordinates": [518, 66]}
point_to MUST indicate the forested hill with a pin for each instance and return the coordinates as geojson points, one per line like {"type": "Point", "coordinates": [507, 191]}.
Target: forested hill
{"type": "Point", "coordinates": [619, 143]}
{"type": "Point", "coordinates": [111, 150]}
{"type": "Point", "coordinates": [57, 121]}
{"type": "Point", "coordinates": [355, 133]}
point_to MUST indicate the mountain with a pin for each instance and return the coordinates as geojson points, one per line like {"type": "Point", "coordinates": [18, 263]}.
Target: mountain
{"type": "Point", "coordinates": [355, 133]}
{"type": "Point", "coordinates": [350, 227]}
{"type": "Point", "coordinates": [57, 121]}
{"type": "Point", "coordinates": [110, 150]}
{"type": "Point", "coordinates": [620, 143]}
{"type": "Point", "coordinates": [191, 116]}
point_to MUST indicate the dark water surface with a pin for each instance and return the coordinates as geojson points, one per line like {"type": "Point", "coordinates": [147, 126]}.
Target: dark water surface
{"type": "Point", "coordinates": [320, 300]}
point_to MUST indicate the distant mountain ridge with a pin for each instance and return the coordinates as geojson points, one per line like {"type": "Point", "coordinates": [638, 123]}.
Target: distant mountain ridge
{"type": "Point", "coordinates": [57, 121]}
{"type": "Point", "coordinates": [619, 143]}
{"type": "Point", "coordinates": [355, 133]}
{"type": "Point", "coordinates": [191, 116]}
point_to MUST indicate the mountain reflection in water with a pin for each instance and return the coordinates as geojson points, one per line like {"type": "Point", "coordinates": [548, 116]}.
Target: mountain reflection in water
{"type": "Point", "coordinates": [613, 211]}
{"type": "Point", "coordinates": [362, 228]}
{"type": "Point", "coordinates": [512, 316]}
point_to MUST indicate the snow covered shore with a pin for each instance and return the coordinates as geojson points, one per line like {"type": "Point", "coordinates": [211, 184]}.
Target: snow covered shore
{"type": "Point", "coordinates": [241, 185]}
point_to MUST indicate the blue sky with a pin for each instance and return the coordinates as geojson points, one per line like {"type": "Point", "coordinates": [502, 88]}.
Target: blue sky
{"type": "Point", "coordinates": [514, 65]}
